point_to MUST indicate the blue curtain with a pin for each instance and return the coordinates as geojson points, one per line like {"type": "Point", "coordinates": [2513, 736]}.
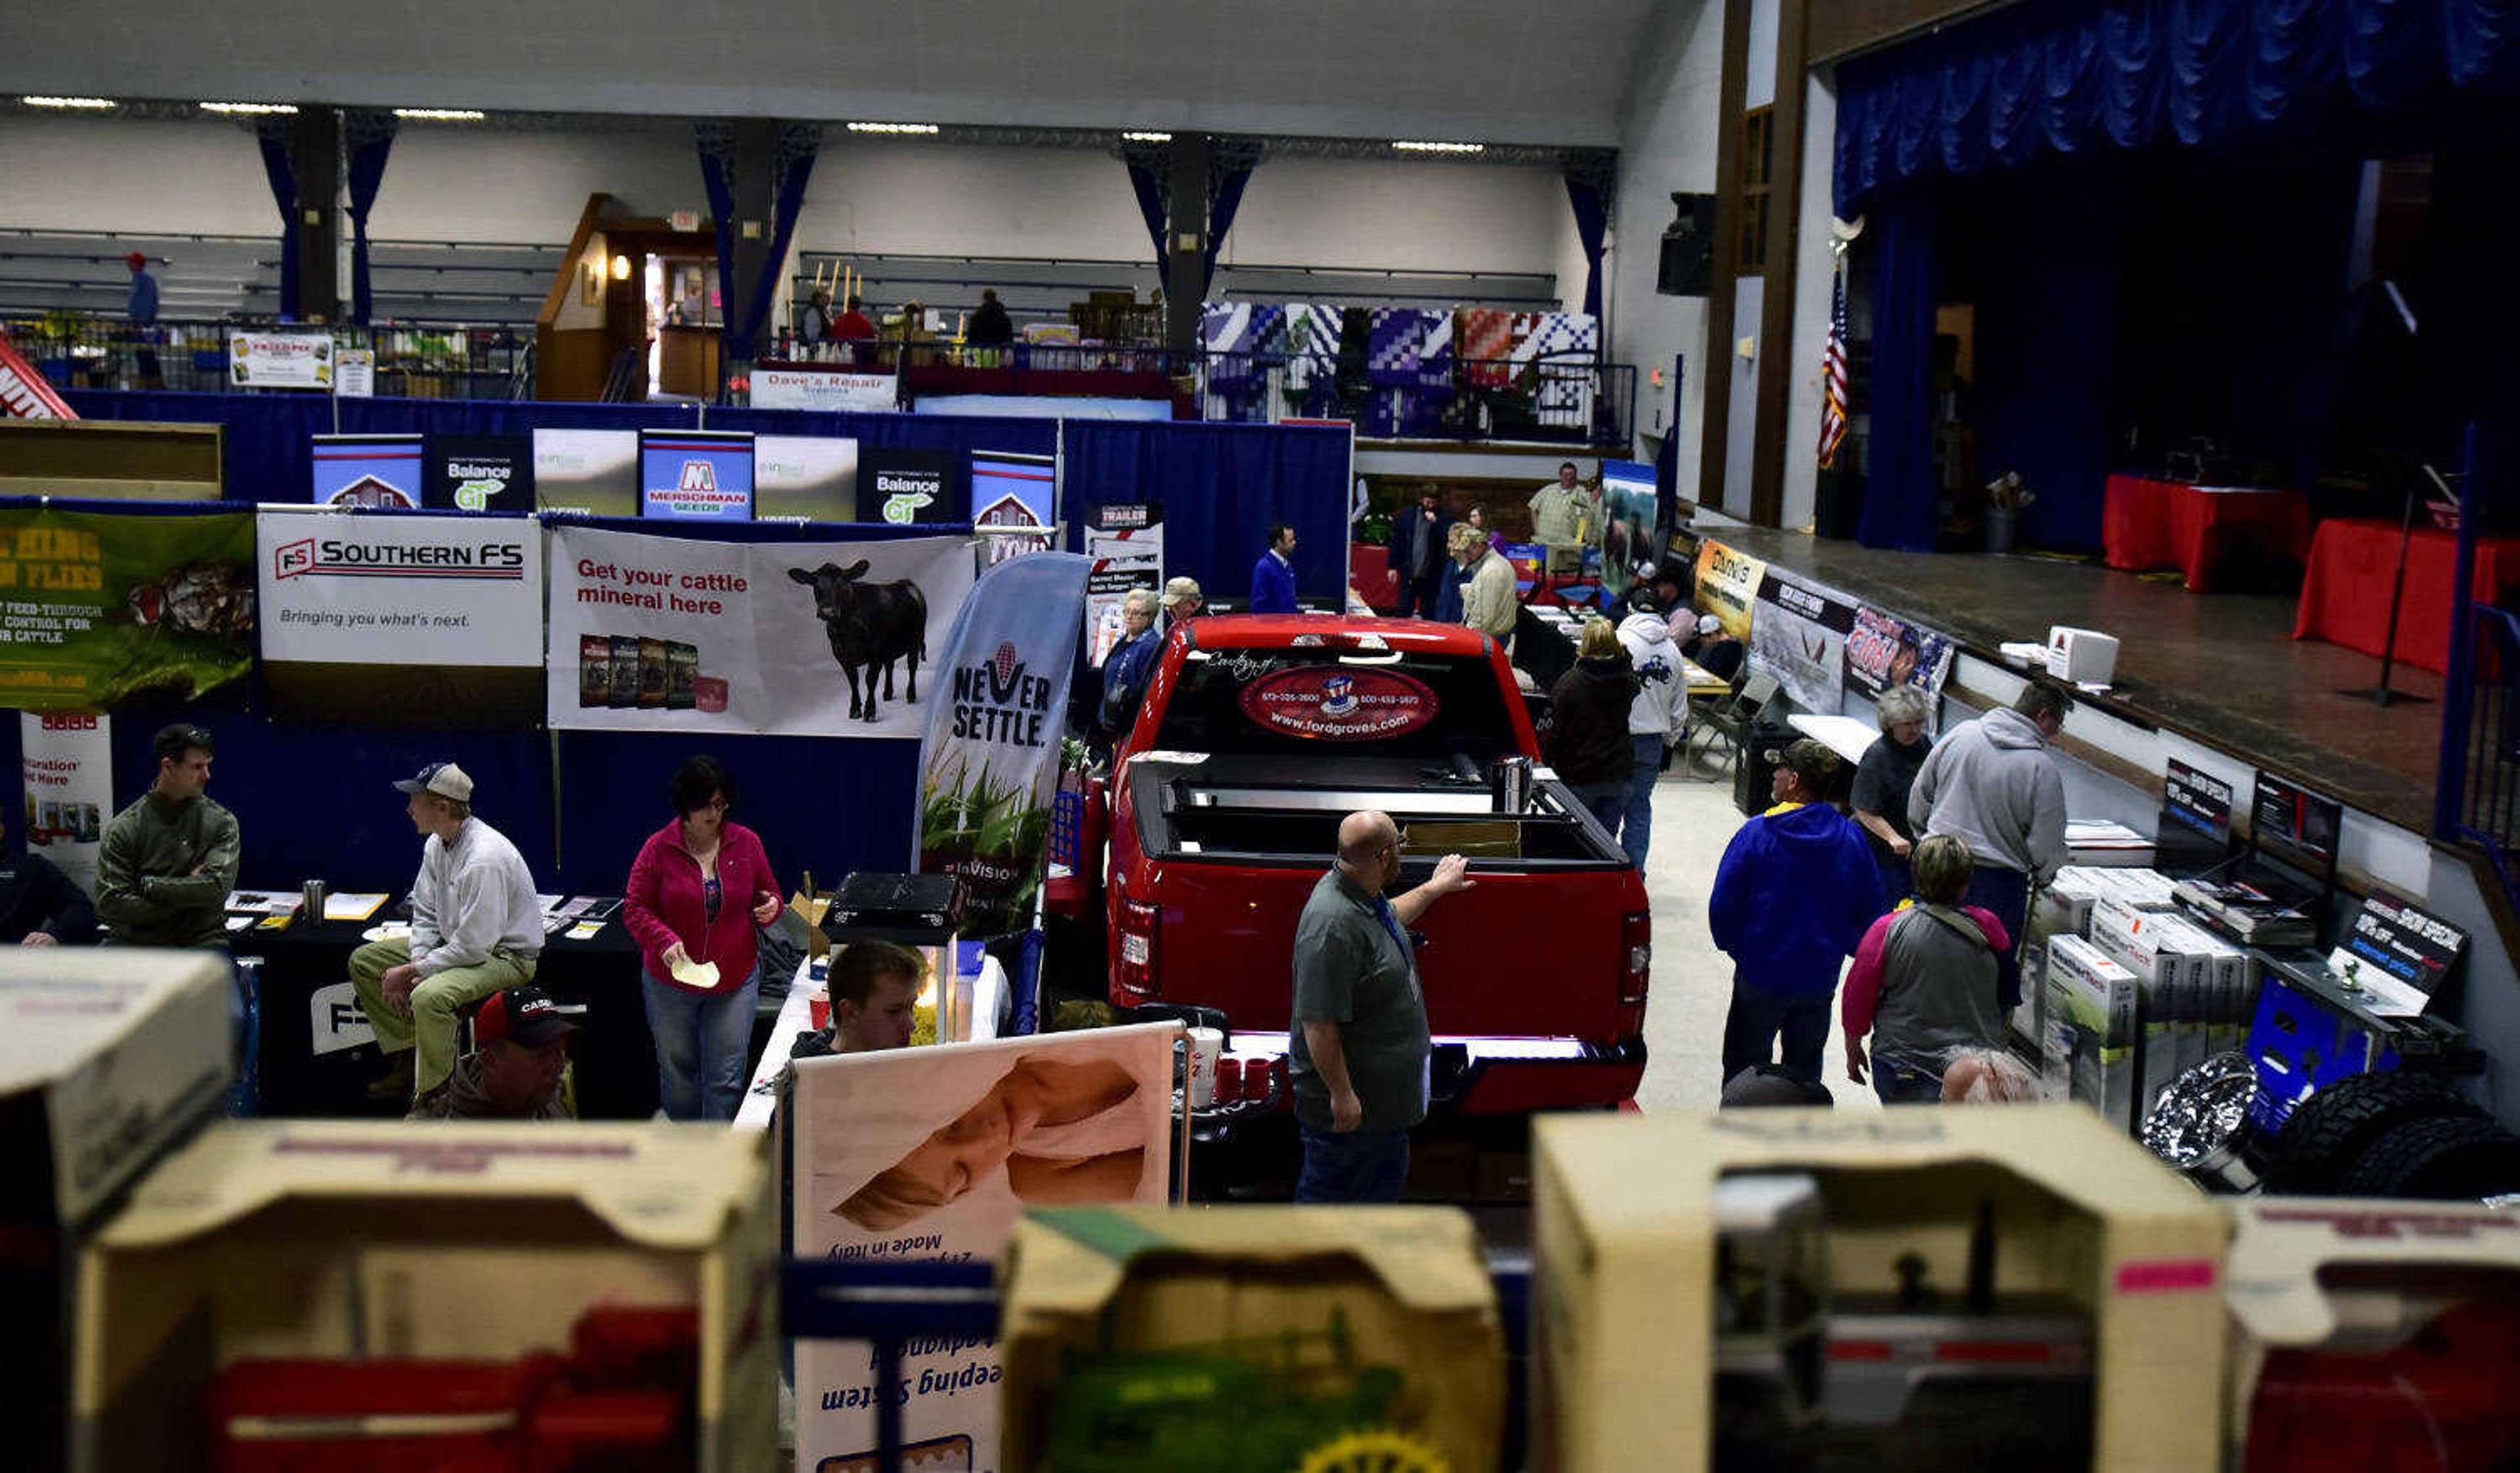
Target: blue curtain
{"type": "Point", "coordinates": [1224, 202]}
{"type": "Point", "coordinates": [2069, 78]}
{"type": "Point", "coordinates": [372, 136]}
{"type": "Point", "coordinates": [797, 146]}
{"type": "Point", "coordinates": [1900, 489]}
{"type": "Point", "coordinates": [283, 174]}
{"type": "Point", "coordinates": [1146, 171]}
{"type": "Point", "coordinates": [1221, 485]}
{"type": "Point", "coordinates": [717, 177]}
{"type": "Point", "coordinates": [1591, 206]}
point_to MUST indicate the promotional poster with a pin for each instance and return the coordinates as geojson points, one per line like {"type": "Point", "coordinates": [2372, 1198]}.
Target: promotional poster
{"type": "Point", "coordinates": [96, 610]}
{"type": "Point", "coordinates": [1727, 584]}
{"type": "Point", "coordinates": [694, 476]}
{"type": "Point", "coordinates": [280, 360]}
{"type": "Point", "coordinates": [591, 473]}
{"type": "Point", "coordinates": [479, 472]}
{"type": "Point", "coordinates": [1883, 651]}
{"type": "Point", "coordinates": [1014, 490]}
{"type": "Point", "coordinates": [797, 477]}
{"type": "Point", "coordinates": [909, 487]}
{"type": "Point", "coordinates": [810, 638]}
{"type": "Point", "coordinates": [990, 757]}
{"type": "Point", "coordinates": [1799, 636]}
{"type": "Point", "coordinates": [1126, 543]}
{"type": "Point", "coordinates": [932, 1153]}
{"type": "Point", "coordinates": [415, 614]}
{"type": "Point", "coordinates": [1627, 521]}
{"type": "Point", "coordinates": [65, 760]}
{"type": "Point", "coordinates": [828, 389]}
{"type": "Point", "coordinates": [379, 471]}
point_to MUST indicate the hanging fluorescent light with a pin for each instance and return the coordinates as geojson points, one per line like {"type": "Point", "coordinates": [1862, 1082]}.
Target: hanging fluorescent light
{"type": "Point", "coordinates": [441, 114]}
{"type": "Point", "coordinates": [1146, 137]}
{"type": "Point", "coordinates": [891, 127]}
{"type": "Point", "coordinates": [249, 109]}
{"type": "Point", "coordinates": [88, 103]}
{"type": "Point", "coordinates": [1423, 145]}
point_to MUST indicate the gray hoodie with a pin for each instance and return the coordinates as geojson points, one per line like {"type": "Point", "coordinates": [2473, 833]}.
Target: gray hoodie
{"type": "Point", "coordinates": [1991, 784]}
{"type": "Point", "coordinates": [1661, 706]}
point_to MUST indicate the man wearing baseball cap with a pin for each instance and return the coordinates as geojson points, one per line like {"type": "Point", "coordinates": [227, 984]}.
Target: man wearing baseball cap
{"type": "Point", "coordinates": [1794, 897]}
{"type": "Point", "coordinates": [477, 928]}
{"type": "Point", "coordinates": [1181, 600]}
{"type": "Point", "coordinates": [517, 1066]}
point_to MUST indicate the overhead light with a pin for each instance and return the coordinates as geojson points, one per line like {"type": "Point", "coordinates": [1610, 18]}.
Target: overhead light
{"type": "Point", "coordinates": [1146, 137]}
{"type": "Point", "coordinates": [255, 110]}
{"type": "Point", "coordinates": [891, 127]}
{"type": "Point", "coordinates": [1423, 145]}
{"type": "Point", "coordinates": [622, 268]}
{"type": "Point", "coordinates": [441, 114]}
{"type": "Point", "coordinates": [90, 103]}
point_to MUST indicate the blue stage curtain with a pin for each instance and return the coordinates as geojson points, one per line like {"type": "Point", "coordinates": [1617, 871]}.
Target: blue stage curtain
{"type": "Point", "coordinates": [1592, 206]}
{"type": "Point", "coordinates": [273, 135]}
{"type": "Point", "coordinates": [1900, 489]}
{"type": "Point", "coordinates": [716, 141]}
{"type": "Point", "coordinates": [371, 139]}
{"type": "Point", "coordinates": [1221, 485]}
{"type": "Point", "coordinates": [1229, 174]}
{"type": "Point", "coordinates": [1148, 168]}
{"type": "Point", "coordinates": [2069, 76]}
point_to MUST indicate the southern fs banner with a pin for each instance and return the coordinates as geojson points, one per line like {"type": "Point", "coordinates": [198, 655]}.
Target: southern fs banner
{"type": "Point", "coordinates": [989, 759]}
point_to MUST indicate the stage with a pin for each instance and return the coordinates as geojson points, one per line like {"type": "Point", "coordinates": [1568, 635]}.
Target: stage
{"type": "Point", "coordinates": [2221, 669]}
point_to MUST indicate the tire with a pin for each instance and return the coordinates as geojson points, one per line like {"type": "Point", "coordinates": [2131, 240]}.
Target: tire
{"type": "Point", "coordinates": [2330, 1129]}
{"type": "Point", "coordinates": [2448, 1158]}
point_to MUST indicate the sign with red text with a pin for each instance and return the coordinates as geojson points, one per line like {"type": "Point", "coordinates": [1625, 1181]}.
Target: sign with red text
{"type": "Point", "coordinates": [280, 360]}
{"type": "Point", "coordinates": [1338, 703]}
{"type": "Point", "coordinates": [932, 1153]}
{"type": "Point", "coordinates": [66, 763]}
{"type": "Point", "coordinates": [804, 638]}
{"type": "Point", "coordinates": [824, 389]}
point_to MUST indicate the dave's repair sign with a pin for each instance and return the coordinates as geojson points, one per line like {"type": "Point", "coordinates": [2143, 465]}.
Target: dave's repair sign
{"type": "Point", "coordinates": [385, 589]}
{"type": "Point", "coordinates": [1334, 703]}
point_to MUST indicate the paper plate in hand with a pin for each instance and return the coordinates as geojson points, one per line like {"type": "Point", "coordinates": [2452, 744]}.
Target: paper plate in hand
{"type": "Point", "coordinates": [385, 930]}
{"type": "Point", "coordinates": [700, 974]}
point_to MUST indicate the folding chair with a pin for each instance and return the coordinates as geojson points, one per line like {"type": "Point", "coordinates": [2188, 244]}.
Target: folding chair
{"type": "Point", "coordinates": [1730, 722]}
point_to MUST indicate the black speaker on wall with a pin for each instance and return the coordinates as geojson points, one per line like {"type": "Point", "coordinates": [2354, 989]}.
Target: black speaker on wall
{"type": "Point", "coordinates": [1689, 247]}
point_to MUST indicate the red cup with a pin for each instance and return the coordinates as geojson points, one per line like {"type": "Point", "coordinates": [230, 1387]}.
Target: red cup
{"type": "Point", "coordinates": [819, 1010]}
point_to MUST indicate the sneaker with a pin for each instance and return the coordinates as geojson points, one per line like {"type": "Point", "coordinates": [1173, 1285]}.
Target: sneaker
{"type": "Point", "coordinates": [400, 1074]}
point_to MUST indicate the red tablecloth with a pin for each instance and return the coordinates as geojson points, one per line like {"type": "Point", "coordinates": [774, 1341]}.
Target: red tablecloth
{"type": "Point", "coordinates": [2149, 523]}
{"type": "Point", "coordinates": [2345, 596]}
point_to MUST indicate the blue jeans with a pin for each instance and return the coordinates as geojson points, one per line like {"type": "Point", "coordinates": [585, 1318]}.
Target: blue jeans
{"type": "Point", "coordinates": [1635, 824]}
{"type": "Point", "coordinates": [1898, 882]}
{"type": "Point", "coordinates": [1357, 1166]}
{"type": "Point", "coordinates": [1898, 1084]}
{"type": "Point", "coordinates": [1755, 1020]}
{"type": "Point", "coordinates": [1605, 801]}
{"type": "Point", "coordinates": [2005, 892]}
{"type": "Point", "coordinates": [704, 1044]}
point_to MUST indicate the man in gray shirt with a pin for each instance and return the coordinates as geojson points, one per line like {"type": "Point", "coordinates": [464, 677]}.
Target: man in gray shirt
{"type": "Point", "coordinates": [1358, 1049]}
{"type": "Point", "coordinates": [477, 928]}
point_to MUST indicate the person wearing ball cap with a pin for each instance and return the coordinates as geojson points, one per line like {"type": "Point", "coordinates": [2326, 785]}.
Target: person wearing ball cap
{"type": "Point", "coordinates": [518, 1066]}
{"type": "Point", "coordinates": [477, 928]}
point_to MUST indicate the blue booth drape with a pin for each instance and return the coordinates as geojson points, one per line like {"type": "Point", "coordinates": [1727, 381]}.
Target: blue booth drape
{"type": "Point", "coordinates": [1147, 167]}
{"type": "Point", "coordinates": [1591, 202]}
{"type": "Point", "coordinates": [717, 179]}
{"type": "Point", "coordinates": [1221, 485]}
{"type": "Point", "coordinates": [281, 171]}
{"type": "Point", "coordinates": [370, 137]}
{"type": "Point", "coordinates": [1150, 180]}
{"type": "Point", "coordinates": [1900, 487]}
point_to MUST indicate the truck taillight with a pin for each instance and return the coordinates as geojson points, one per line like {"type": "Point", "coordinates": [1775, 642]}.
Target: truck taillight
{"type": "Point", "coordinates": [1136, 966]}
{"type": "Point", "coordinates": [1636, 956]}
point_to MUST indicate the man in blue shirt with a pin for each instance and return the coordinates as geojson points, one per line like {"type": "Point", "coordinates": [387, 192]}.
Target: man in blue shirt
{"type": "Point", "coordinates": [141, 311]}
{"type": "Point", "coordinates": [1273, 577]}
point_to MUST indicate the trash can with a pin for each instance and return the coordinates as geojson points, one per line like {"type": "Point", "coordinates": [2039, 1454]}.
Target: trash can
{"type": "Point", "coordinates": [2002, 525]}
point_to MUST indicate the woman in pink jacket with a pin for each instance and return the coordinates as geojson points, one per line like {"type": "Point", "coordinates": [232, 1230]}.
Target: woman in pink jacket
{"type": "Point", "coordinates": [700, 886]}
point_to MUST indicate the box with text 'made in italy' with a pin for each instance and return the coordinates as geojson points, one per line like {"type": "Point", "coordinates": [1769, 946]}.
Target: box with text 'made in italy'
{"type": "Point", "coordinates": [1157, 1339]}
{"type": "Point", "coordinates": [324, 1294]}
{"type": "Point", "coordinates": [1805, 1287]}
{"type": "Point", "coordinates": [109, 1058]}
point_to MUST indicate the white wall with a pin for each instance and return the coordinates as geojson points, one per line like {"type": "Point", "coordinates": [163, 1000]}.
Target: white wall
{"type": "Point", "coordinates": [448, 183]}
{"type": "Point", "coordinates": [907, 198]}
{"type": "Point", "coordinates": [1811, 283]}
{"type": "Point", "coordinates": [94, 174]}
{"type": "Point", "coordinates": [1401, 215]}
{"type": "Point", "coordinates": [1667, 144]}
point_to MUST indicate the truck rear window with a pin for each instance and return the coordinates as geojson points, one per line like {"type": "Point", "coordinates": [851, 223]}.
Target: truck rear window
{"type": "Point", "coordinates": [1400, 703]}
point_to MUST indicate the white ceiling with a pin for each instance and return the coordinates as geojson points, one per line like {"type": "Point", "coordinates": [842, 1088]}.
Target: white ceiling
{"type": "Point", "coordinates": [1495, 70]}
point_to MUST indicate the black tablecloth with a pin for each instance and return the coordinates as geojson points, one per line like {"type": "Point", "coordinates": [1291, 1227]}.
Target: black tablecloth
{"type": "Point", "coordinates": [615, 1063]}
{"type": "Point", "coordinates": [1541, 649]}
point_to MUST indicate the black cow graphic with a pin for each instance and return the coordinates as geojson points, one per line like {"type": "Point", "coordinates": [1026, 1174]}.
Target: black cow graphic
{"type": "Point", "coordinates": [870, 625]}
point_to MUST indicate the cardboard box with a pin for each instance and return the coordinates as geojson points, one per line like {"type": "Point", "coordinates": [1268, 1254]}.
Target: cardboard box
{"type": "Point", "coordinates": [2092, 1013]}
{"type": "Point", "coordinates": [1293, 1330]}
{"type": "Point", "coordinates": [2362, 1329]}
{"type": "Point", "coordinates": [1624, 1343]}
{"type": "Point", "coordinates": [344, 1241]}
{"type": "Point", "coordinates": [2154, 945]}
{"type": "Point", "coordinates": [109, 1058]}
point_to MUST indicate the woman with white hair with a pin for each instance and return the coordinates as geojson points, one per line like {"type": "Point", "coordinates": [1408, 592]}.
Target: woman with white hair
{"type": "Point", "coordinates": [1879, 802]}
{"type": "Point", "coordinates": [1130, 665]}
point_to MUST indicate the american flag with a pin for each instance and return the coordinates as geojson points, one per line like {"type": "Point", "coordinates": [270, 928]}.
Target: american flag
{"type": "Point", "coordinates": [1832, 370]}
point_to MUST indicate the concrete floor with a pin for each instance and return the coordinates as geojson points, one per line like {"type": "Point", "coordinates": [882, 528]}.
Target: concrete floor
{"type": "Point", "coordinates": [1692, 981]}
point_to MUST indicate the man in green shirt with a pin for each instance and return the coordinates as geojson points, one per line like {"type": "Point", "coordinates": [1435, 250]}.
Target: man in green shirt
{"type": "Point", "coordinates": [1359, 1047]}
{"type": "Point", "coordinates": [169, 860]}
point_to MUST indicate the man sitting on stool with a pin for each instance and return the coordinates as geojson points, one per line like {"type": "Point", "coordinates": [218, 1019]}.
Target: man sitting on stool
{"type": "Point", "coordinates": [519, 1063]}
{"type": "Point", "coordinates": [475, 928]}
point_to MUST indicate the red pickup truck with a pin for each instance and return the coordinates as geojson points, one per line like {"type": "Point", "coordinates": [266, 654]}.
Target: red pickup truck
{"type": "Point", "coordinates": [1258, 733]}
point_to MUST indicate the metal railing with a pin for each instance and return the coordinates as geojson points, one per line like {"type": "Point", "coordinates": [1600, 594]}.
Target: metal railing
{"type": "Point", "coordinates": [1563, 400]}
{"type": "Point", "coordinates": [416, 361]}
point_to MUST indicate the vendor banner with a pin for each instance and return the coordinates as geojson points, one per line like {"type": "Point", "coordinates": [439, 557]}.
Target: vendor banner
{"type": "Point", "coordinates": [1727, 584]}
{"type": "Point", "coordinates": [591, 473]}
{"type": "Point", "coordinates": [909, 487]}
{"type": "Point", "coordinates": [280, 360]}
{"type": "Point", "coordinates": [97, 608]}
{"type": "Point", "coordinates": [1015, 491]}
{"type": "Point", "coordinates": [990, 757]}
{"type": "Point", "coordinates": [1125, 541]}
{"type": "Point", "coordinates": [415, 614]}
{"type": "Point", "coordinates": [694, 476]}
{"type": "Point", "coordinates": [827, 389]}
{"type": "Point", "coordinates": [24, 393]}
{"type": "Point", "coordinates": [804, 638]}
{"type": "Point", "coordinates": [375, 470]}
{"type": "Point", "coordinates": [1798, 635]}
{"type": "Point", "coordinates": [932, 1153]}
{"type": "Point", "coordinates": [798, 477]}
{"type": "Point", "coordinates": [65, 762]}
{"type": "Point", "coordinates": [479, 472]}
{"type": "Point", "coordinates": [1883, 650]}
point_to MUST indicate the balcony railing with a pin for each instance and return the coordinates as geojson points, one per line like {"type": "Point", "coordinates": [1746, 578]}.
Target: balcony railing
{"type": "Point", "coordinates": [439, 361]}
